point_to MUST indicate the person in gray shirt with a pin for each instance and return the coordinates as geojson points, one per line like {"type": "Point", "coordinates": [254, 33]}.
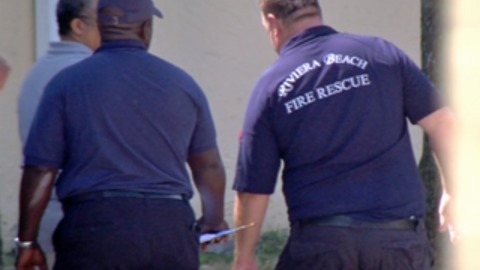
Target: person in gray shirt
{"type": "Point", "coordinates": [78, 30]}
{"type": "Point", "coordinates": [79, 34]}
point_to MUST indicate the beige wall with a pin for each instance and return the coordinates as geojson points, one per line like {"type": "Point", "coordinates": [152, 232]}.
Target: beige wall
{"type": "Point", "coordinates": [221, 43]}
{"type": "Point", "coordinates": [16, 45]}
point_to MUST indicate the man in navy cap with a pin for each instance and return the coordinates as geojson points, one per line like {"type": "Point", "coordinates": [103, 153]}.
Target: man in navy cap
{"type": "Point", "coordinates": [334, 108]}
{"type": "Point", "coordinates": [120, 127]}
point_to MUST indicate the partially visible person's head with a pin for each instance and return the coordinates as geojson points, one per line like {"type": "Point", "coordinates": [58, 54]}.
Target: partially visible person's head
{"type": "Point", "coordinates": [290, 9]}
{"type": "Point", "coordinates": [284, 18]}
{"type": "Point", "coordinates": [127, 19]}
{"type": "Point", "coordinates": [77, 21]}
{"type": "Point", "coordinates": [4, 71]}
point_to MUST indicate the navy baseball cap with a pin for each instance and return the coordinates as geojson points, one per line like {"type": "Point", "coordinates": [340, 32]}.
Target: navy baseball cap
{"type": "Point", "coordinates": [133, 11]}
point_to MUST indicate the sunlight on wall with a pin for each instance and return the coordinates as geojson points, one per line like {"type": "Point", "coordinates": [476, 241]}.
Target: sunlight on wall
{"type": "Point", "coordinates": [463, 71]}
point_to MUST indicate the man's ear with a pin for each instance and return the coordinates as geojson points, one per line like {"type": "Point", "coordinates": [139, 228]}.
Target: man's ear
{"type": "Point", "coordinates": [146, 31]}
{"type": "Point", "coordinates": [78, 26]}
{"type": "Point", "coordinates": [274, 24]}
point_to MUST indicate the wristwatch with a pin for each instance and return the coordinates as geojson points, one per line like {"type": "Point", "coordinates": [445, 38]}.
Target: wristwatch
{"type": "Point", "coordinates": [23, 244]}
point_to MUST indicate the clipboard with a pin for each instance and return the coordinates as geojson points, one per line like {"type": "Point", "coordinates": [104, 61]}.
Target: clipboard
{"type": "Point", "coordinates": [207, 237]}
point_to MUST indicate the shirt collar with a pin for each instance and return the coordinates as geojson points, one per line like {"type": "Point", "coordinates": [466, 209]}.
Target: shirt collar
{"type": "Point", "coordinates": [305, 36]}
{"type": "Point", "coordinates": [68, 47]}
{"type": "Point", "coordinates": [122, 44]}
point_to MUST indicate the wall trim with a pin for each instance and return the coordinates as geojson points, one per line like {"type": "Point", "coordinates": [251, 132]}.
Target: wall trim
{"type": "Point", "coordinates": [45, 25]}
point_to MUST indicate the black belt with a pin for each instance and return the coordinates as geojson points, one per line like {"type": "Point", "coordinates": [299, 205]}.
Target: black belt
{"type": "Point", "coordinates": [98, 195]}
{"type": "Point", "coordinates": [346, 221]}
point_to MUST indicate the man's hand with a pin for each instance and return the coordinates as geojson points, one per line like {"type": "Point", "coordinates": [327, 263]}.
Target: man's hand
{"type": "Point", "coordinates": [31, 258]}
{"type": "Point", "coordinates": [206, 227]}
{"type": "Point", "coordinates": [209, 178]}
{"type": "Point", "coordinates": [447, 218]}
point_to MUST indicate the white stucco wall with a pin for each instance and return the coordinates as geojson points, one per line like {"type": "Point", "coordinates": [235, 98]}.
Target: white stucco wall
{"type": "Point", "coordinates": [221, 43]}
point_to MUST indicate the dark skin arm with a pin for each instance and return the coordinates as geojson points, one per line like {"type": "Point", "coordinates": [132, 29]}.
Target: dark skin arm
{"type": "Point", "coordinates": [209, 178]}
{"type": "Point", "coordinates": [35, 190]}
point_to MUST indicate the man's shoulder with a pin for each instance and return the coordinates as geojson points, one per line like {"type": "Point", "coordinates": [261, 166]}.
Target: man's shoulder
{"type": "Point", "coordinates": [169, 66]}
{"type": "Point", "coordinates": [69, 73]}
{"type": "Point", "coordinates": [47, 67]}
{"type": "Point", "coordinates": [359, 41]}
{"type": "Point", "coordinates": [173, 72]}
{"type": "Point", "coordinates": [63, 54]}
{"type": "Point", "coordinates": [368, 43]}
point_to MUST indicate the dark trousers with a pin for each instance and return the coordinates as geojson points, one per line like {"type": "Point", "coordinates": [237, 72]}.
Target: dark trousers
{"type": "Point", "coordinates": [127, 233]}
{"type": "Point", "coordinates": [321, 247]}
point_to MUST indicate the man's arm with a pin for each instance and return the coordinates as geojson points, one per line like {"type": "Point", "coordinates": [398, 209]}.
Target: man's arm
{"type": "Point", "coordinates": [209, 178]}
{"type": "Point", "coordinates": [4, 71]}
{"type": "Point", "coordinates": [249, 207]}
{"type": "Point", "coordinates": [440, 128]}
{"type": "Point", "coordinates": [36, 187]}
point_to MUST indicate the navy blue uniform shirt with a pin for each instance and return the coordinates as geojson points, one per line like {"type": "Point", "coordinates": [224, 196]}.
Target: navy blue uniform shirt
{"type": "Point", "coordinates": [334, 108]}
{"type": "Point", "coordinates": [122, 119]}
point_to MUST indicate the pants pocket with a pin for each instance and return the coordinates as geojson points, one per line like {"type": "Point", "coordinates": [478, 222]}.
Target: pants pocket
{"type": "Point", "coordinates": [310, 256]}
{"type": "Point", "coordinates": [406, 256]}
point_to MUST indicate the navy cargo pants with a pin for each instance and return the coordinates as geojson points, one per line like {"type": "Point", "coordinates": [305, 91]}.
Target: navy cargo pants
{"type": "Point", "coordinates": [127, 233]}
{"type": "Point", "coordinates": [321, 247]}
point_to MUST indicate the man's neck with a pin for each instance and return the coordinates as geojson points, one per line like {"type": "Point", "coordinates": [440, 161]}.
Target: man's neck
{"type": "Point", "coordinates": [300, 26]}
{"type": "Point", "coordinates": [297, 28]}
{"type": "Point", "coordinates": [69, 38]}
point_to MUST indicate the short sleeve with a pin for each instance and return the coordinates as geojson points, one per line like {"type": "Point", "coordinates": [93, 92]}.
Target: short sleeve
{"type": "Point", "coordinates": [204, 135]}
{"type": "Point", "coordinates": [420, 96]}
{"type": "Point", "coordinates": [258, 158]}
{"type": "Point", "coordinates": [46, 141]}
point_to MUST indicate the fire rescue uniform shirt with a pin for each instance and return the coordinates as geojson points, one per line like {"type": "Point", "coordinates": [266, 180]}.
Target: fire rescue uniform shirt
{"type": "Point", "coordinates": [334, 108]}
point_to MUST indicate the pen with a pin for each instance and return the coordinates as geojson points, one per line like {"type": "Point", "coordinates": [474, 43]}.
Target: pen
{"type": "Point", "coordinates": [210, 236]}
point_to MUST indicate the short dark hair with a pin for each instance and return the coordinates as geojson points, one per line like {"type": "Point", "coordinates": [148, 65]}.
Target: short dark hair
{"type": "Point", "coordinates": [283, 9]}
{"type": "Point", "coordinates": [67, 10]}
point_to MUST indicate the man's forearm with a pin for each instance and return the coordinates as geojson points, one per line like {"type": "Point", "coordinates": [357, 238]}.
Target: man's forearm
{"type": "Point", "coordinates": [212, 190]}
{"type": "Point", "coordinates": [35, 190]}
{"type": "Point", "coordinates": [249, 207]}
{"type": "Point", "coordinates": [209, 177]}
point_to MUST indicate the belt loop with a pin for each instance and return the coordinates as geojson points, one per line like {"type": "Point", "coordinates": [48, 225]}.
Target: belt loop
{"type": "Point", "coordinates": [420, 225]}
{"type": "Point", "coordinates": [417, 223]}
